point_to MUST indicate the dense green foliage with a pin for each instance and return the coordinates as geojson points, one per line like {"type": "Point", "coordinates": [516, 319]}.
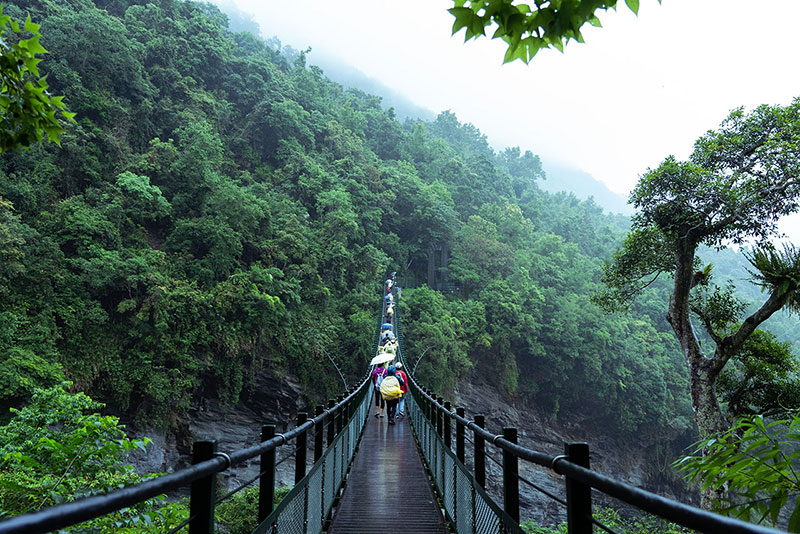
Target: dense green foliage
{"type": "Point", "coordinates": [239, 513]}
{"type": "Point", "coordinates": [58, 449]}
{"type": "Point", "coordinates": [217, 211]}
{"type": "Point", "coordinates": [530, 27]}
{"type": "Point", "coordinates": [180, 241]}
{"type": "Point", "coordinates": [757, 463]}
{"type": "Point", "coordinates": [214, 204]}
{"type": "Point", "coordinates": [29, 113]}
{"type": "Point", "coordinates": [613, 520]}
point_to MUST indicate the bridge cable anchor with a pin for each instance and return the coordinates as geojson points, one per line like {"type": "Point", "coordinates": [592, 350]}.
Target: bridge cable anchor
{"type": "Point", "coordinates": [226, 457]}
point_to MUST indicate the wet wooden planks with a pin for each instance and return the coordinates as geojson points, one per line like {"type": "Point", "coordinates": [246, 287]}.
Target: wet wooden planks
{"type": "Point", "coordinates": [388, 489]}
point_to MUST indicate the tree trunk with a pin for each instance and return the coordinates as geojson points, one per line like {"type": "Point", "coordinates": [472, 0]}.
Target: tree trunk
{"type": "Point", "coordinates": [702, 370]}
{"type": "Point", "coordinates": [710, 421]}
{"type": "Point", "coordinates": [707, 413]}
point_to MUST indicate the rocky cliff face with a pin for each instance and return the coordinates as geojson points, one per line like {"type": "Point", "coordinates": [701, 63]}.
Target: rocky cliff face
{"type": "Point", "coordinates": [645, 465]}
{"type": "Point", "coordinates": [275, 400]}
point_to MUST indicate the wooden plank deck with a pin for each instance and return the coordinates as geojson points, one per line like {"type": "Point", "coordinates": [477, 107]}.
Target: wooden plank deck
{"type": "Point", "coordinates": [388, 489]}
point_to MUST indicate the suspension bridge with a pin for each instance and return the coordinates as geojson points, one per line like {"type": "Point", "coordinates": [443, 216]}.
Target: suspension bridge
{"type": "Point", "coordinates": [369, 477]}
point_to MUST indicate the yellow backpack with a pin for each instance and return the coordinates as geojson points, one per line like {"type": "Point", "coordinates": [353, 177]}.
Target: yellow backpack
{"type": "Point", "coordinates": [390, 388]}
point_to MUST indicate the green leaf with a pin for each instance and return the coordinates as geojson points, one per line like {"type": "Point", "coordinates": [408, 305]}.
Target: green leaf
{"type": "Point", "coordinates": [30, 26]}
{"type": "Point", "coordinates": [794, 519]}
{"type": "Point", "coordinates": [463, 16]}
{"type": "Point", "coordinates": [633, 5]}
{"type": "Point", "coordinates": [775, 505]}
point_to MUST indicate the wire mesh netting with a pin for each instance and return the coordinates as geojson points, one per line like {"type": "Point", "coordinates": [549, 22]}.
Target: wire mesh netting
{"type": "Point", "coordinates": [467, 505]}
{"type": "Point", "coordinates": [448, 484]}
{"type": "Point", "coordinates": [340, 460]}
{"type": "Point", "coordinates": [486, 520]}
{"type": "Point", "coordinates": [316, 512]}
{"type": "Point", "coordinates": [290, 520]}
{"type": "Point", "coordinates": [307, 505]}
{"type": "Point", "coordinates": [464, 496]}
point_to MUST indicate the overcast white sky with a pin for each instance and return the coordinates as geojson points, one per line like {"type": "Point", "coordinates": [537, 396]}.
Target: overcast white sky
{"type": "Point", "coordinates": [641, 88]}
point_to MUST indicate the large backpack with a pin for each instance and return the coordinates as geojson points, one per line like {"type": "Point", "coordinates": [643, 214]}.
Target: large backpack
{"type": "Point", "coordinates": [390, 388]}
{"type": "Point", "coordinates": [379, 380]}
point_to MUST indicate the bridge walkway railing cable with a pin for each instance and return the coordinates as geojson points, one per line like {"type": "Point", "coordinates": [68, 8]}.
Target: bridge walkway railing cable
{"type": "Point", "coordinates": [307, 506]}
{"type": "Point", "coordinates": [470, 509]}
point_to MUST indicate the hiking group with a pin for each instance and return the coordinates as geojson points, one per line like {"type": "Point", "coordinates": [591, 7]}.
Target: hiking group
{"type": "Point", "coordinates": [389, 380]}
{"type": "Point", "coordinates": [391, 386]}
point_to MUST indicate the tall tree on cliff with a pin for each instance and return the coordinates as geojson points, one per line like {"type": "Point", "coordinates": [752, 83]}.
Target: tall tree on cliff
{"type": "Point", "coordinates": [738, 181]}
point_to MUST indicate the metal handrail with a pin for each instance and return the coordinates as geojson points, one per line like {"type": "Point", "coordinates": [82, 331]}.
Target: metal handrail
{"type": "Point", "coordinates": [671, 510]}
{"type": "Point", "coordinates": [63, 515]}
{"type": "Point", "coordinates": [269, 525]}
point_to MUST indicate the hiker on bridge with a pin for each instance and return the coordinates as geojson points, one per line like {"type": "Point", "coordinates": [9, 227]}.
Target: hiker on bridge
{"type": "Point", "coordinates": [391, 390]}
{"type": "Point", "coordinates": [401, 376]}
{"type": "Point", "coordinates": [377, 377]}
{"type": "Point", "coordinates": [389, 346]}
{"type": "Point", "coordinates": [386, 336]}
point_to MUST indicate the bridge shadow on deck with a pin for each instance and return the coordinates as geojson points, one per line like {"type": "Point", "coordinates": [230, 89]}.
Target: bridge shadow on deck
{"type": "Point", "coordinates": [388, 489]}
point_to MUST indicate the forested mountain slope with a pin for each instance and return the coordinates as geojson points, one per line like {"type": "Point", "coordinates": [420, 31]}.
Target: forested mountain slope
{"type": "Point", "coordinates": [217, 211]}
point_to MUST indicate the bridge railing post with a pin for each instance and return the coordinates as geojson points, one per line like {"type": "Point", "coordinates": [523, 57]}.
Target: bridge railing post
{"type": "Point", "coordinates": [447, 424]}
{"type": "Point", "coordinates": [300, 450]}
{"type": "Point", "coordinates": [579, 496]}
{"type": "Point", "coordinates": [348, 408]}
{"type": "Point", "coordinates": [511, 476]}
{"type": "Point", "coordinates": [203, 491]}
{"type": "Point", "coordinates": [266, 484]}
{"type": "Point", "coordinates": [480, 452]}
{"type": "Point", "coordinates": [439, 416]}
{"type": "Point", "coordinates": [339, 415]}
{"type": "Point", "coordinates": [460, 435]}
{"type": "Point", "coordinates": [331, 422]}
{"type": "Point", "coordinates": [318, 433]}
